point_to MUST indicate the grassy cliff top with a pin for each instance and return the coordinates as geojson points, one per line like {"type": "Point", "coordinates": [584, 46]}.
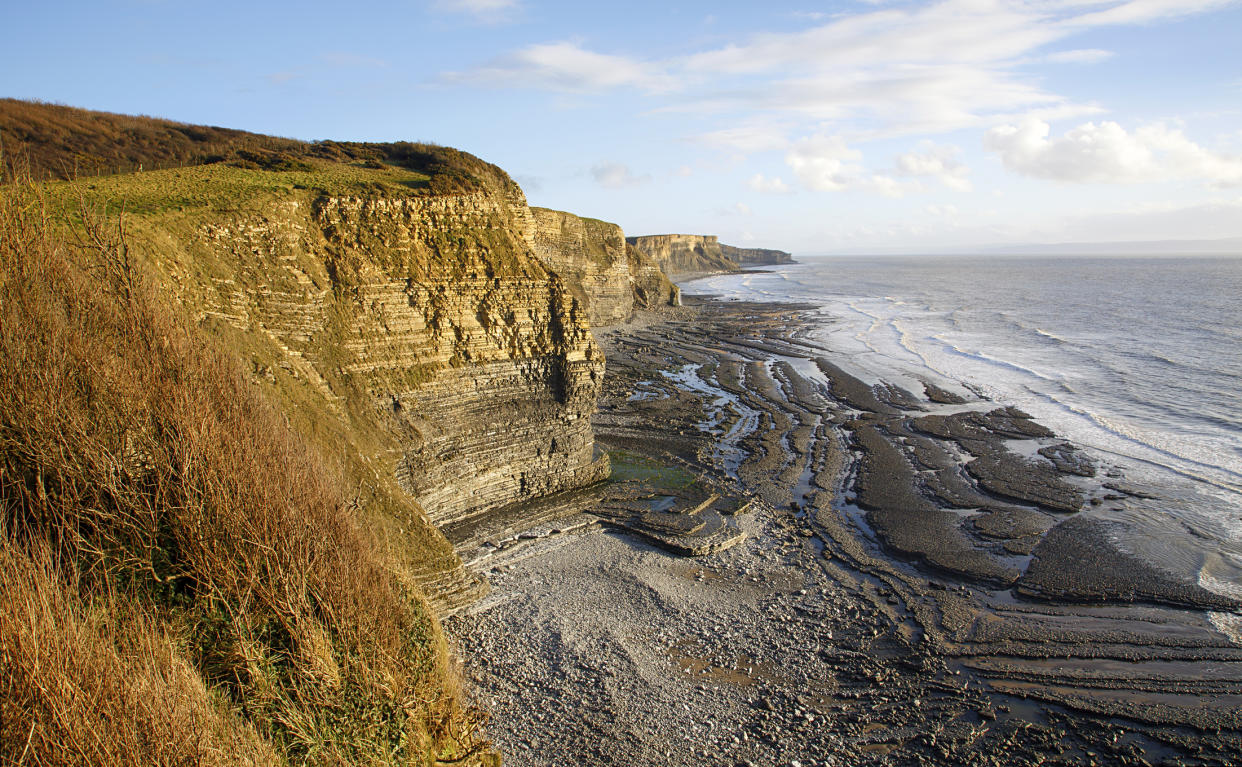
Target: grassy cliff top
{"type": "Point", "coordinates": [60, 142]}
{"type": "Point", "coordinates": [201, 562]}
{"type": "Point", "coordinates": [223, 187]}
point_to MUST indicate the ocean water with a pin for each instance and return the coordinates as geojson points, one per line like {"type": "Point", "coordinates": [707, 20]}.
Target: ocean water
{"type": "Point", "coordinates": [1138, 360]}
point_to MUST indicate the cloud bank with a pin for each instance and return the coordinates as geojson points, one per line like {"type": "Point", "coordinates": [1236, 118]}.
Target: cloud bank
{"type": "Point", "coordinates": [1107, 153]}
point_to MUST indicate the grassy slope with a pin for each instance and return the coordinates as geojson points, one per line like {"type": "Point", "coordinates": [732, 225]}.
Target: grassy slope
{"type": "Point", "coordinates": [185, 575]}
{"type": "Point", "coordinates": [60, 142]}
{"type": "Point", "coordinates": [65, 142]}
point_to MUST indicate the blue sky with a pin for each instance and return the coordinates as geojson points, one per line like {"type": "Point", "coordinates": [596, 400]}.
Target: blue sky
{"type": "Point", "coordinates": [861, 126]}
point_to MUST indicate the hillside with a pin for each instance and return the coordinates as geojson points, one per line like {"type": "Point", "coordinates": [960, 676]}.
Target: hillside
{"type": "Point", "coordinates": [240, 398]}
{"type": "Point", "coordinates": [51, 141]}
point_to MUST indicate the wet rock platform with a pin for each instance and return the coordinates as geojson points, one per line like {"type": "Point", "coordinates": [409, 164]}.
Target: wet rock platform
{"type": "Point", "coordinates": [924, 578]}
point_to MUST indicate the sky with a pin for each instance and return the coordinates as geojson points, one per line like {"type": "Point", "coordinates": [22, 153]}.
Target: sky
{"type": "Point", "coordinates": [861, 126]}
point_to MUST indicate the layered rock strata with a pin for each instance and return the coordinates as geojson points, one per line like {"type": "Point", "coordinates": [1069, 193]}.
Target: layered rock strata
{"type": "Point", "coordinates": [429, 324]}
{"type": "Point", "coordinates": [604, 272]}
{"type": "Point", "coordinates": [684, 254]}
{"type": "Point", "coordinates": [755, 256]}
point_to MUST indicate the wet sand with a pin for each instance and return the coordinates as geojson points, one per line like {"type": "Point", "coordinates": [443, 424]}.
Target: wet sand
{"type": "Point", "coordinates": [925, 578]}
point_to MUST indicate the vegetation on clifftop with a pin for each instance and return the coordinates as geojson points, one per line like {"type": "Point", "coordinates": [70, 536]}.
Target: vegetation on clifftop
{"type": "Point", "coordinates": [61, 142]}
{"type": "Point", "coordinates": [185, 574]}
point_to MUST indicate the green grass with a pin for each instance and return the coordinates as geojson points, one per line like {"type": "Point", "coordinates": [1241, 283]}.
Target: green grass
{"type": "Point", "coordinates": [223, 187]}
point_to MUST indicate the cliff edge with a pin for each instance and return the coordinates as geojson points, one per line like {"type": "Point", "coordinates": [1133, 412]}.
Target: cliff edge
{"type": "Point", "coordinates": [298, 363]}
{"type": "Point", "coordinates": [603, 270]}
{"type": "Point", "coordinates": [681, 256]}
{"type": "Point", "coordinates": [755, 256]}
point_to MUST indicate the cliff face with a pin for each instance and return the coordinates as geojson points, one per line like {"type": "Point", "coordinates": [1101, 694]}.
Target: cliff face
{"type": "Point", "coordinates": [590, 256]}
{"type": "Point", "coordinates": [652, 287]}
{"type": "Point", "coordinates": [602, 270]}
{"type": "Point", "coordinates": [755, 256]}
{"type": "Point", "coordinates": [684, 254]}
{"type": "Point", "coordinates": [488, 361]}
{"type": "Point", "coordinates": [424, 328]}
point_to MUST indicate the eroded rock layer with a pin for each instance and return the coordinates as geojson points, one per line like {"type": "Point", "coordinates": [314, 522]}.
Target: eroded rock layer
{"type": "Point", "coordinates": [604, 272]}
{"type": "Point", "coordinates": [684, 254]}
{"type": "Point", "coordinates": [755, 256]}
{"type": "Point", "coordinates": [427, 323]}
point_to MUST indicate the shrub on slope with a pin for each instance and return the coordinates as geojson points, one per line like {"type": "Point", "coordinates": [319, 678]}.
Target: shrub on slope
{"type": "Point", "coordinates": [183, 578]}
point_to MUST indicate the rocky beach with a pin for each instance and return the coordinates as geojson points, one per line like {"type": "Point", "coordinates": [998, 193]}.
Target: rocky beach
{"type": "Point", "coordinates": [886, 577]}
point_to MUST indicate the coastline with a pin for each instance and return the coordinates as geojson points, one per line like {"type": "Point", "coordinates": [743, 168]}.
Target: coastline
{"type": "Point", "coordinates": [844, 628]}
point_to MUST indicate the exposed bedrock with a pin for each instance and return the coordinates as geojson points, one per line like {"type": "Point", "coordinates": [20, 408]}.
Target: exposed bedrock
{"type": "Point", "coordinates": [755, 256]}
{"type": "Point", "coordinates": [433, 325]}
{"type": "Point", "coordinates": [1077, 562]}
{"type": "Point", "coordinates": [909, 523]}
{"type": "Point", "coordinates": [610, 277]}
{"type": "Point", "coordinates": [1004, 473]}
{"type": "Point", "coordinates": [687, 255]}
{"type": "Point", "coordinates": [684, 254]}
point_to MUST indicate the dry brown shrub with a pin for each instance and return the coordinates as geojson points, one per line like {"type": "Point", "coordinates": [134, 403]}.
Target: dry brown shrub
{"type": "Point", "coordinates": [136, 457]}
{"type": "Point", "coordinates": [93, 688]}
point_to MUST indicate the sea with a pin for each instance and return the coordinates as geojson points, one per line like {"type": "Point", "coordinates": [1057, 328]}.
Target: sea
{"type": "Point", "coordinates": [1137, 360]}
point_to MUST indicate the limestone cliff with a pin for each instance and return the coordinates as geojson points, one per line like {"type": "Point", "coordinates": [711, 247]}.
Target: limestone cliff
{"type": "Point", "coordinates": [755, 256]}
{"type": "Point", "coordinates": [652, 288]}
{"type": "Point", "coordinates": [603, 271]}
{"type": "Point", "coordinates": [419, 334]}
{"type": "Point", "coordinates": [680, 255]}
{"type": "Point", "coordinates": [505, 371]}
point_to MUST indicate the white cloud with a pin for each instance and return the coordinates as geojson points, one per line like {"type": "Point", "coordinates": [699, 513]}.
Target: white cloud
{"type": "Point", "coordinates": [489, 11]}
{"type": "Point", "coordinates": [1107, 153]}
{"type": "Point", "coordinates": [1080, 56]}
{"type": "Point", "coordinates": [751, 137]}
{"type": "Point", "coordinates": [1143, 11]}
{"type": "Point", "coordinates": [939, 162]}
{"type": "Point", "coordinates": [774, 185]}
{"type": "Point", "coordinates": [825, 163]}
{"type": "Point", "coordinates": [892, 68]}
{"type": "Point", "coordinates": [617, 176]}
{"type": "Point", "coordinates": [684, 171]}
{"type": "Point", "coordinates": [889, 186]}
{"type": "Point", "coordinates": [565, 66]}
{"type": "Point", "coordinates": [937, 67]}
{"type": "Point", "coordinates": [942, 211]}
{"type": "Point", "coordinates": [736, 210]}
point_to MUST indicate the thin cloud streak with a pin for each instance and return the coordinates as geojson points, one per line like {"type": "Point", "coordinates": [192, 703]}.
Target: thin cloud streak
{"type": "Point", "coordinates": [485, 11]}
{"type": "Point", "coordinates": [617, 176]}
{"type": "Point", "coordinates": [567, 67]}
{"type": "Point", "coordinates": [930, 69]}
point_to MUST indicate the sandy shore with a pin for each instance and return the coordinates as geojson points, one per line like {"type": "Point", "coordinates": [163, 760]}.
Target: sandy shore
{"type": "Point", "coordinates": [916, 584]}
